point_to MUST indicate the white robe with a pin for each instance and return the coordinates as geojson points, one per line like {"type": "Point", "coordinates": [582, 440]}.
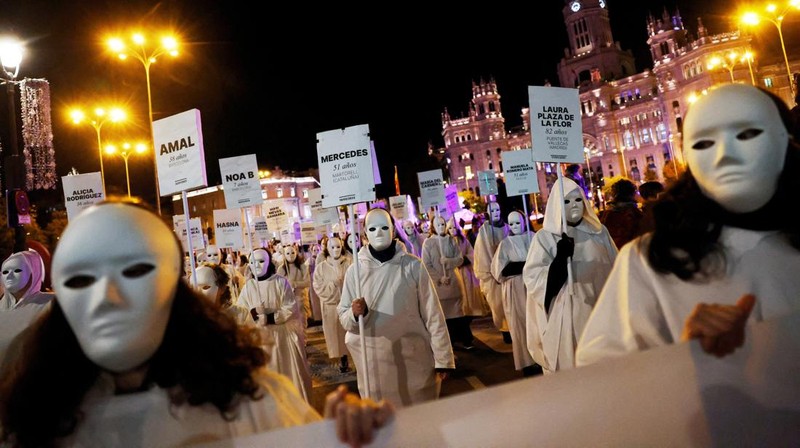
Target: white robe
{"type": "Point", "coordinates": [474, 302]}
{"type": "Point", "coordinates": [451, 293]}
{"type": "Point", "coordinates": [328, 280]}
{"type": "Point", "coordinates": [639, 309]}
{"type": "Point", "coordinates": [300, 280]}
{"type": "Point", "coordinates": [147, 419]}
{"type": "Point", "coordinates": [552, 338]}
{"type": "Point", "coordinates": [285, 341]}
{"type": "Point", "coordinates": [313, 298]}
{"type": "Point", "coordinates": [406, 334]}
{"type": "Point", "coordinates": [486, 244]}
{"type": "Point", "coordinates": [514, 249]}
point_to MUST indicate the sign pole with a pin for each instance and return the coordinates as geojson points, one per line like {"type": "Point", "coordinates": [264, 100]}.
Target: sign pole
{"type": "Point", "coordinates": [362, 336]}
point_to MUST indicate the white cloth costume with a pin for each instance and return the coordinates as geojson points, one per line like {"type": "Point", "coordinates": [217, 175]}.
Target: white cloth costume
{"type": "Point", "coordinates": [235, 279]}
{"type": "Point", "coordinates": [406, 333]}
{"type": "Point", "coordinates": [514, 248]}
{"type": "Point", "coordinates": [313, 298]}
{"type": "Point", "coordinates": [486, 244]}
{"type": "Point", "coordinates": [552, 338]}
{"type": "Point", "coordinates": [446, 279]}
{"type": "Point", "coordinates": [474, 302]}
{"type": "Point", "coordinates": [300, 280]}
{"type": "Point", "coordinates": [328, 281]}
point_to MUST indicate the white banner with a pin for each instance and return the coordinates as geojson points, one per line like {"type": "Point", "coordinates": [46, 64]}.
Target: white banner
{"type": "Point", "coordinates": [520, 172]}
{"type": "Point", "coordinates": [81, 191]}
{"type": "Point", "coordinates": [556, 127]}
{"type": "Point", "coordinates": [228, 228]}
{"type": "Point", "coordinates": [398, 207]}
{"type": "Point", "coordinates": [431, 190]}
{"type": "Point", "coordinates": [345, 166]}
{"type": "Point", "coordinates": [277, 218]}
{"type": "Point", "coordinates": [322, 216]}
{"type": "Point", "coordinates": [240, 182]}
{"type": "Point", "coordinates": [487, 182]}
{"type": "Point", "coordinates": [179, 226]}
{"type": "Point", "coordinates": [179, 153]}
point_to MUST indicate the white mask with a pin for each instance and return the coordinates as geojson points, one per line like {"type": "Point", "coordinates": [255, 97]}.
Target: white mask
{"type": "Point", "coordinates": [351, 242]}
{"type": "Point", "coordinates": [16, 275]}
{"type": "Point", "coordinates": [380, 231]}
{"type": "Point", "coordinates": [735, 145]}
{"type": "Point", "coordinates": [213, 254]}
{"type": "Point", "coordinates": [207, 283]}
{"type": "Point", "coordinates": [517, 223]}
{"type": "Point", "coordinates": [335, 248]}
{"type": "Point", "coordinates": [494, 211]}
{"type": "Point", "coordinates": [117, 293]}
{"type": "Point", "coordinates": [451, 228]}
{"type": "Point", "coordinates": [259, 262]}
{"type": "Point", "coordinates": [426, 227]}
{"type": "Point", "coordinates": [408, 227]}
{"type": "Point", "coordinates": [440, 226]}
{"type": "Point", "coordinates": [573, 206]}
{"type": "Point", "coordinates": [289, 254]}
{"type": "Point", "coordinates": [277, 257]}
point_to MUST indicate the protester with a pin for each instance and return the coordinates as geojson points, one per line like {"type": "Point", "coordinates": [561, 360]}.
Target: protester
{"type": "Point", "coordinates": [489, 236]}
{"type": "Point", "coordinates": [408, 346]}
{"type": "Point", "coordinates": [622, 216]}
{"type": "Point", "coordinates": [236, 280]}
{"type": "Point", "coordinates": [314, 251]}
{"type": "Point", "coordinates": [327, 282]}
{"type": "Point", "coordinates": [559, 305]}
{"type": "Point", "coordinates": [129, 355]}
{"type": "Point", "coordinates": [213, 283]}
{"type": "Point", "coordinates": [649, 192]}
{"type": "Point", "coordinates": [474, 303]}
{"type": "Point", "coordinates": [722, 238]}
{"type": "Point", "coordinates": [507, 267]}
{"type": "Point", "coordinates": [295, 270]}
{"type": "Point", "coordinates": [412, 236]}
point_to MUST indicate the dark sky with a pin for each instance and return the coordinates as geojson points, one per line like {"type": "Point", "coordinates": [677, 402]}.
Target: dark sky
{"type": "Point", "coordinates": [267, 79]}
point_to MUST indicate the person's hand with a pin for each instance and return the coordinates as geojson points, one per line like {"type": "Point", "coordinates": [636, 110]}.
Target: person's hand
{"type": "Point", "coordinates": [359, 307]}
{"type": "Point", "coordinates": [720, 328]}
{"type": "Point", "coordinates": [356, 418]}
{"type": "Point", "coordinates": [565, 247]}
{"type": "Point", "coordinates": [444, 280]}
{"type": "Point", "coordinates": [442, 375]}
{"type": "Point", "coordinates": [443, 260]}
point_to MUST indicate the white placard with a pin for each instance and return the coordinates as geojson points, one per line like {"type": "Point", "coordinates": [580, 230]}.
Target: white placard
{"type": "Point", "coordinates": [240, 182]}
{"type": "Point", "coordinates": [260, 230]}
{"type": "Point", "coordinates": [431, 189]}
{"type": "Point", "coordinates": [179, 226]}
{"type": "Point", "coordinates": [81, 191]}
{"type": "Point", "coordinates": [520, 172]}
{"type": "Point", "coordinates": [308, 233]}
{"type": "Point", "coordinates": [228, 228]}
{"type": "Point", "coordinates": [556, 127]}
{"type": "Point", "coordinates": [277, 218]}
{"type": "Point", "coordinates": [345, 166]}
{"type": "Point", "coordinates": [322, 216]}
{"type": "Point", "coordinates": [180, 157]}
{"type": "Point", "coordinates": [398, 207]}
{"type": "Point", "coordinates": [487, 182]}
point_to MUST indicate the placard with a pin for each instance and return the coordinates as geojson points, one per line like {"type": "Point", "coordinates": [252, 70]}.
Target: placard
{"type": "Point", "coordinates": [520, 172]}
{"type": "Point", "coordinates": [451, 196]}
{"type": "Point", "coordinates": [345, 166]}
{"type": "Point", "coordinates": [240, 182]}
{"type": "Point", "coordinates": [398, 207]}
{"type": "Point", "coordinates": [179, 226]}
{"type": "Point", "coordinates": [277, 218]}
{"type": "Point", "coordinates": [487, 182]}
{"type": "Point", "coordinates": [180, 158]}
{"type": "Point", "coordinates": [556, 127]}
{"type": "Point", "coordinates": [308, 233]}
{"type": "Point", "coordinates": [322, 216]}
{"type": "Point", "coordinates": [228, 228]}
{"type": "Point", "coordinates": [81, 191]}
{"type": "Point", "coordinates": [431, 190]}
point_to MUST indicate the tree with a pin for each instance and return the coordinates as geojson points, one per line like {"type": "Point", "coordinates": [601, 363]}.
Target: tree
{"type": "Point", "coordinates": [472, 202]}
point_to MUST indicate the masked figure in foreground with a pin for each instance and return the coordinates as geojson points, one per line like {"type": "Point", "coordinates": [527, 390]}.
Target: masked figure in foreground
{"type": "Point", "coordinates": [408, 346]}
{"type": "Point", "coordinates": [723, 250]}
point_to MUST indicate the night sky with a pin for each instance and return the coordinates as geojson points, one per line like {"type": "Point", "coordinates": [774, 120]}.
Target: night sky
{"type": "Point", "coordinates": [266, 83]}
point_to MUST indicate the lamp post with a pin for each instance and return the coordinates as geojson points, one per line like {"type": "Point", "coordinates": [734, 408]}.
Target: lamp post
{"type": "Point", "coordinates": [147, 56]}
{"type": "Point", "coordinates": [729, 63]}
{"type": "Point", "coordinates": [748, 56]}
{"type": "Point", "coordinates": [10, 59]}
{"type": "Point", "coordinates": [776, 18]}
{"type": "Point", "coordinates": [101, 117]}
{"type": "Point", "coordinates": [126, 150]}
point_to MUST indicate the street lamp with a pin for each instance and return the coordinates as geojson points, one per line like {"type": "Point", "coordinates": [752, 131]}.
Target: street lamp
{"type": "Point", "coordinates": [776, 18]}
{"type": "Point", "coordinates": [101, 117]}
{"type": "Point", "coordinates": [147, 56]}
{"type": "Point", "coordinates": [748, 56]}
{"type": "Point", "coordinates": [729, 62]}
{"type": "Point", "coordinates": [125, 150]}
{"type": "Point", "coordinates": [11, 59]}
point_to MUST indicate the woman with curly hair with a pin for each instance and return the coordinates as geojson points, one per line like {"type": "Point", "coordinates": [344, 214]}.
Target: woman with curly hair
{"type": "Point", "coordinates": [722, 238]}
{"type": "Point", "coordinates": [129, 355]}
{"type": "Point", "coordinates": [214, 283]}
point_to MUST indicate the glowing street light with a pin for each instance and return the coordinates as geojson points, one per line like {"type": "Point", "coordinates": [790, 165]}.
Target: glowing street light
{"type": "Point", "coordinates": [749, 56]}
{"type": "Point", "coordinates": [147, 56]}
{"type": "Point", "coordinates": [729, 62]}
{"type": "Point", "coordinates": [125, 150]}
{"type": "Point", "coordinates": [776, 18]}
{"type": "Point", "coordinates": [11, 59]}
{"type": "Point", "coordinates": [101, 117]}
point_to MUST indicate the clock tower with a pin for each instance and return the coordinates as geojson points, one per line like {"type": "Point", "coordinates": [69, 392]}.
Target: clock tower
{"type": "Point", "coordinates": [593, 55]}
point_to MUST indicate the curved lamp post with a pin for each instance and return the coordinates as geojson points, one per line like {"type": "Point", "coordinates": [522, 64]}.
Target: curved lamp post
{"type": "Point", "coordinates": [125, 150]}
{"type": "Point", "coordinates": [775, 17]}
{"type": "Point", "coordinates": [101, 117]}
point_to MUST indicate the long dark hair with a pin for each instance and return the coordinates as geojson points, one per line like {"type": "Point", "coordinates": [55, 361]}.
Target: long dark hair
{"type": "Point", "coordinates": [688, 224]}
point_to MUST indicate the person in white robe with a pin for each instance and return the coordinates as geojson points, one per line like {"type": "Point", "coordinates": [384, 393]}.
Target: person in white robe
{"type": "Point", "coordinates": [296, 271]}
{"type": "Point", "coordinates": [314, 251]}
{"type": "Point", "coordinates": [724, 251]}
{"type": "Point", "coordinates": [489, 236]}
{"type": "Point", "coordinates": [269, 297]}
{"type": "Point", "coordinates": [474, 303]}
{"type": "Point", "coordinates": [214, 284]}
{"type": "Point", "coordinates": [327, 282]}
{"type": "Point", "coordinates": [408, 348]}
{"type": "Point", "coordinates": [442, 256]}
{"type": "Point", "coordinates": [129, 355]}
{"type": "Point", "coordinates": [412, 238]}
{"type": "Point", "coordinates": [507, 269]}
{"type": "Point", "coordinates": [236, 280]}
{"type": "Point", "coordinates": [559, 306]}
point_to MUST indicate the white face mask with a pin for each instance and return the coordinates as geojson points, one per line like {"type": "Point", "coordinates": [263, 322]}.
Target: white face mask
{"type": "Point", "coordinates": [451, 228]}
{"type": "Point", "coordinates": [259, 260]}
{"type": "Point", "coordinates": [379, 229]}
{"type": "Point", "coordinates": [315, 249]}
{"type": "Point", "coordinates": [351, 242]}
{"type": "Point", "coordinates": [335, 248]}
{"type": "Point", "coordinates": [117, 293]}
{"type": "Point", "coordinates": [408, 227]}
{"type": "Point", "coordinates": [16, 275]}
{"type": "Point", "coordinates": [517, 223]}
{"type": "Point", "coordinates": [207, 283]}
{"type": "Point", "coordinates": [213, 254]}
{"type": "Point", "coordinates": [494, 212]}
{"type": "Point", "coordinates": [440, 226]}
{"type": "Point", "coordinates": [289, 254]}
{"type": "Point", "coordinates": [573, 206]}
{"type": "Point", "coordinates": [735, 145]}
{"type": "Point", "coordinates": [426, 227]}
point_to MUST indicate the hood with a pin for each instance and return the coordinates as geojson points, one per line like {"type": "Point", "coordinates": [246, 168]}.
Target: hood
{"type": "Point", "coordinates": [555, 208]}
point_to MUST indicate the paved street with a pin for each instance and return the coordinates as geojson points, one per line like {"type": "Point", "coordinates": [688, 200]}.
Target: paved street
{"type": "Point", "coordinates": [489, 364]}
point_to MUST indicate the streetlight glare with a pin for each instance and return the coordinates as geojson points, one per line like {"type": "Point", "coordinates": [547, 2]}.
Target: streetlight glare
{"type": "Point", "coordinates": [10, 54]}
